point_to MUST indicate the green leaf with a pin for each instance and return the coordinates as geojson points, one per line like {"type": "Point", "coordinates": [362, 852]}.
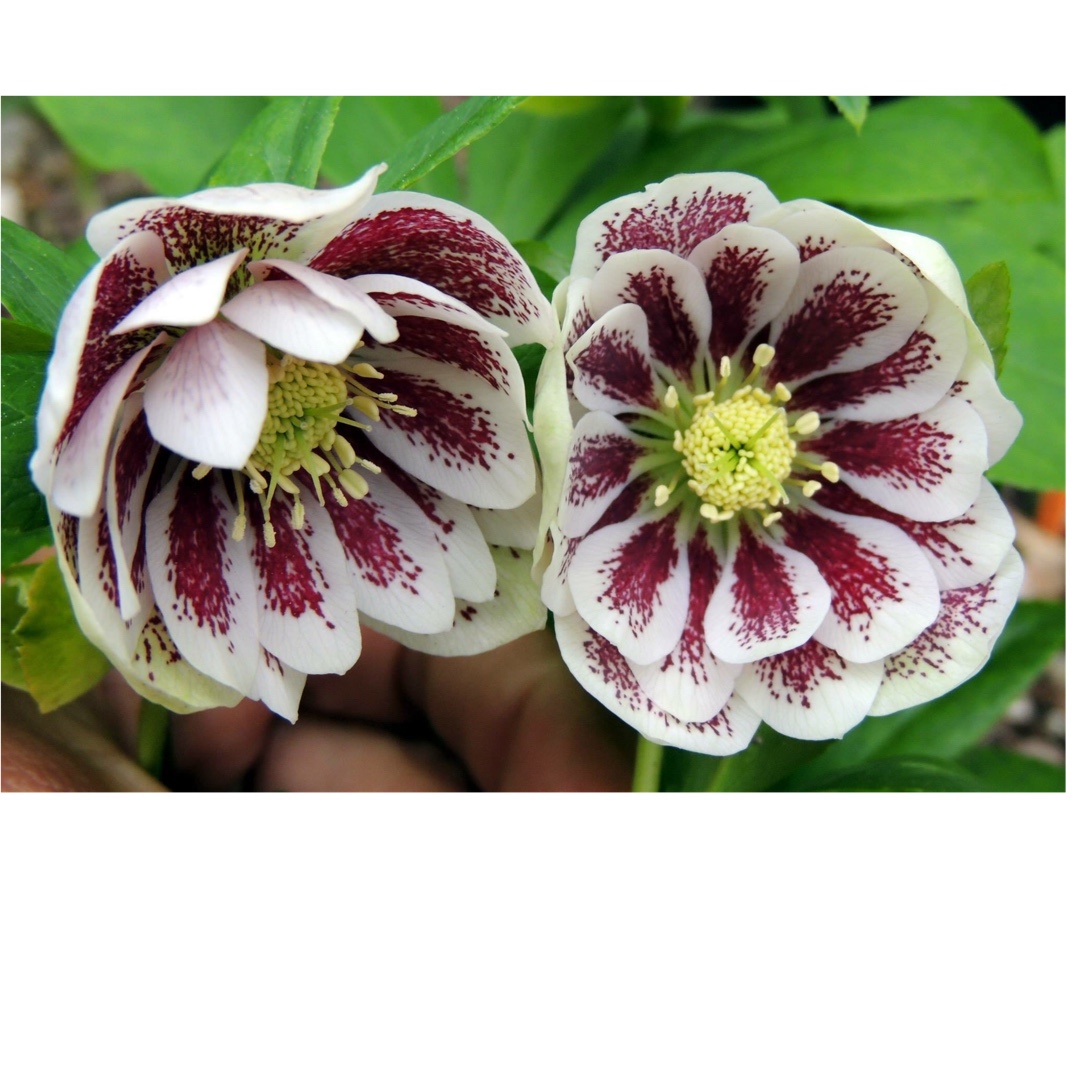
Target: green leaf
{"type": "Point", "coordinates": [989, 292]}
{"type": "Point", "coordinates": [284, 143]}
{"type": "Point", "coordinates": [370, 130]}
{"type": "Point", "coordinates": [58, 663]}
{"type": "Point", "coordinates": [1054, 140]}
{"type": "Point", "coordinates": [768, 759]}
{"type": "Point", "coordinates": [12, 608]}
{"type": "Point", "coordinates": [520, 174]}
{"type": "Point", "coordinates": [1029, 238]}
{"type": "Point", "coordinates": [170, 142]}
{"type": "Point", "coordinates": [853, 109]}
{"type": "Point", "coordinates": [549, 265]}
{"type": "Point", "coordinates": [916, 150]}
{"type": "Point", "coordinates": [36, 279]}
{"type": "Point", "coordinates": [1002, 770]}
{"type": "Point", "coordinates": [954, 723]}
{"type": "Point", "coordinates": [24, 527]}
{"type": "Point", "coordinates": [903, 774]}
{"type": "Point", "coordinates": [442, 139]}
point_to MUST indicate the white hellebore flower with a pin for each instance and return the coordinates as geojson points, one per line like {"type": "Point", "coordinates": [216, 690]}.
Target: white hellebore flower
{"type": "Point", "coordinates": [273, 414]}
{"type": "Point", "coordinates": [770, 446]}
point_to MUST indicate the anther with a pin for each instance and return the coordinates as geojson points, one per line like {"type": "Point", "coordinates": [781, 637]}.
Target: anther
{"type": "Point", "coordinates": [201, 470]}
{"type": "Point", "coordinates": [807, 423]}
{"type": "Point", "coordinates": [831, 471]}
{"type": "Point", "coordinates": [783, 394]}
{"type": "Point", "coordinates": [763, 355]}
{"type": "Point", "coordinates": [771, 519]}
{"type": "Point", "coordinates": [671, 397]}
{"type": "Point", "coordinates": [811, 488]}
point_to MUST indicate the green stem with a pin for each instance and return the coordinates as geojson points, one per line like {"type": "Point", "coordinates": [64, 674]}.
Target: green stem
{"type": "Point", "coordinates": [650, 758]}
{"type": "Point", "coordinates": [153, 733]}
{"type": "Point", "coordinates": [717, 783]}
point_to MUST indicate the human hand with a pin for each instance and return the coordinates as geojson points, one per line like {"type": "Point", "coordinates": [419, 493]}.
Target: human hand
{"type": "Point", "coordinates": [509, 720]}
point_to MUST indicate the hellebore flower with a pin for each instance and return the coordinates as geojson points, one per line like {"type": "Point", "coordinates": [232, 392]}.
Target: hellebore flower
{"type": "Point", "coordinates": [275, 413]}
{"type": "Point", "coordinates": [769, 446]}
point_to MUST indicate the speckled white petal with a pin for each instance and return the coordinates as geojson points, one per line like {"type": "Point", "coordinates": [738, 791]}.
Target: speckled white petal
{"type": "Point", "coordinates": [749, 274]}
{"type": "Point", "coordinates": [631, 582]}
{"type": "Point", "coordinates": [605, 673]}
{"type": "Point", "coordinates": [207, 401]}
{"type": "Point", "coordinates": [290, 317]}
{"type": "Point", "coordinates": [675, 215]}
{"type": "Point", "coordinates": [671, 293]}
{"type": "Point", "coordinates": [192, 298]}
{"type": "Point", "coordinates": [913, 379]}
{"type": "Point", "coordinates": [884, 592]}
{"type": "Point", "coordinates": [926, 467]}
{"type": "Point", "coordinates": [279, 687]}
{"type": "Point", "coordinates": [306, 608]}
{"type": "Point", "coordinates": [79, 475]}
{"type": "Point", "coordinates": [810, 692]}
{"type": "Point", "coordinates": [348, 296]}
{"type": "Point", "coordinates": [770, 598]}
{"type": "Point", "coordinates": [202, 578]}
{"type": "Point", "coordinates": [958, 643]}
{"type": "Point", "coordinates": [604, 457]}
{"type": "Point", "coordinates": [850, 307]}
{"type": "Point", "coordinates": [514, 610]}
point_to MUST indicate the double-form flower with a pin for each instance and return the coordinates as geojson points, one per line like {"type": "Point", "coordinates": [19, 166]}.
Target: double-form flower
{"type": "Point", "coordinates": [764, 467]}
{"type": "Point", "coordinates": [273, 413]}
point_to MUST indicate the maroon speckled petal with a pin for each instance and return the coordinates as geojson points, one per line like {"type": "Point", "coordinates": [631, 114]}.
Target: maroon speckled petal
{"type": "Point", "coordinates": [884, 592]}
{"type": "Point", "coordinates": [851, 307]}
{"type": "Point", "coordinates": [202, 578]}
{"type": "Point", "coordinates": [604, 672]}
{"type": "Point", "coordinates": [927, 467]}
{"type": "Point", "coordinates": [958, 643]}
{"type": "Point", "coordinates": [612, 363]}
{"type": "Point", "coordinates": [602, 462]}
{"type": "Point", "coordinates": [749, 274]}
{"type": "Point", "coordinates": [449, 248]}
{"type": "Point", "coordinates": [306, 610]}
{"type": "Point", "coordinates": [631, 582]}
{"type": "Point", "coordinates": [671, 293]}
{"type": "Point", "coordinates": [770, 599]}
{"type": "Point", "coordinates": [810, 692]}
{"type": "Point", "coordinates": [674, 216]}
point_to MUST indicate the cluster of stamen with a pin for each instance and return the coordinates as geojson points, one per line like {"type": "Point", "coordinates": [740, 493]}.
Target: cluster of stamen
{"type": "Point", "coordinates": [305, 405]}
{"type": "Point", "coordinates": [738, 451]}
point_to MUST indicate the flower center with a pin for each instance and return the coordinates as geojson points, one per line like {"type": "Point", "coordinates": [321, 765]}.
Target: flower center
{"type": "Point", "coordinates": [738, 452]}
{"type": "Point", "coordinates": [738, 449]}
{"type": "Point", "coordinates": [304, 407]}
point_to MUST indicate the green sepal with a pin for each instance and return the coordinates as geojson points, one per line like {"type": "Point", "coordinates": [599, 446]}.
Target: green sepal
{"type": "Point", "coordinates": [56, 662]}
{"type": "Point", "coordinates": [284, 143]}
{"type": "Point", "coordinates": [989, 293]}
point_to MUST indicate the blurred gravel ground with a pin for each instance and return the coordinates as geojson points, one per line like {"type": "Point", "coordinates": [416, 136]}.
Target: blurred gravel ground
{"type": "Point", "coordinates": [46, 190]}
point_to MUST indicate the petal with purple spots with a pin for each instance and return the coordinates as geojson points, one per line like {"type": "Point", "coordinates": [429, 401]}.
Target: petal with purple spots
{"type": "Point", "coordinates": [770, 598]}
{"type": "Point", "coordinates": [849, 308]}
{"type": "Point", "coordinates": [604, 457]}
{"type": "Point", "coordinates": [604, 672]}
{"type": "Point", "coordinates": [612, 363]}
{"type": "Point", "coordinates": [810, 692]}
{"type": "Point", "coordinates": [207, 401]}
{"type": "Point", "coordinates": [202, 578]}
{"type": "Point", "coordinates": [631, 582]}
{"type": "Point", "coordinates": [884, 592]}
{"type": "Point", "coordinates": [749, 274]}
{"type": "Point", "coordinates": [306, 609]}
{"type": "Point", "coordinates": [927, 467]}
{"type": "Point", "coordinates": [463, 440]}
{"type": "Point", "coordinates": [674, 216]}
{"type": "Point", "coordinates": [956, 646]}
{"type": "Point", "coordinates": [914, 378]}
{"type": "Point", "coordinates": [672, 294]}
